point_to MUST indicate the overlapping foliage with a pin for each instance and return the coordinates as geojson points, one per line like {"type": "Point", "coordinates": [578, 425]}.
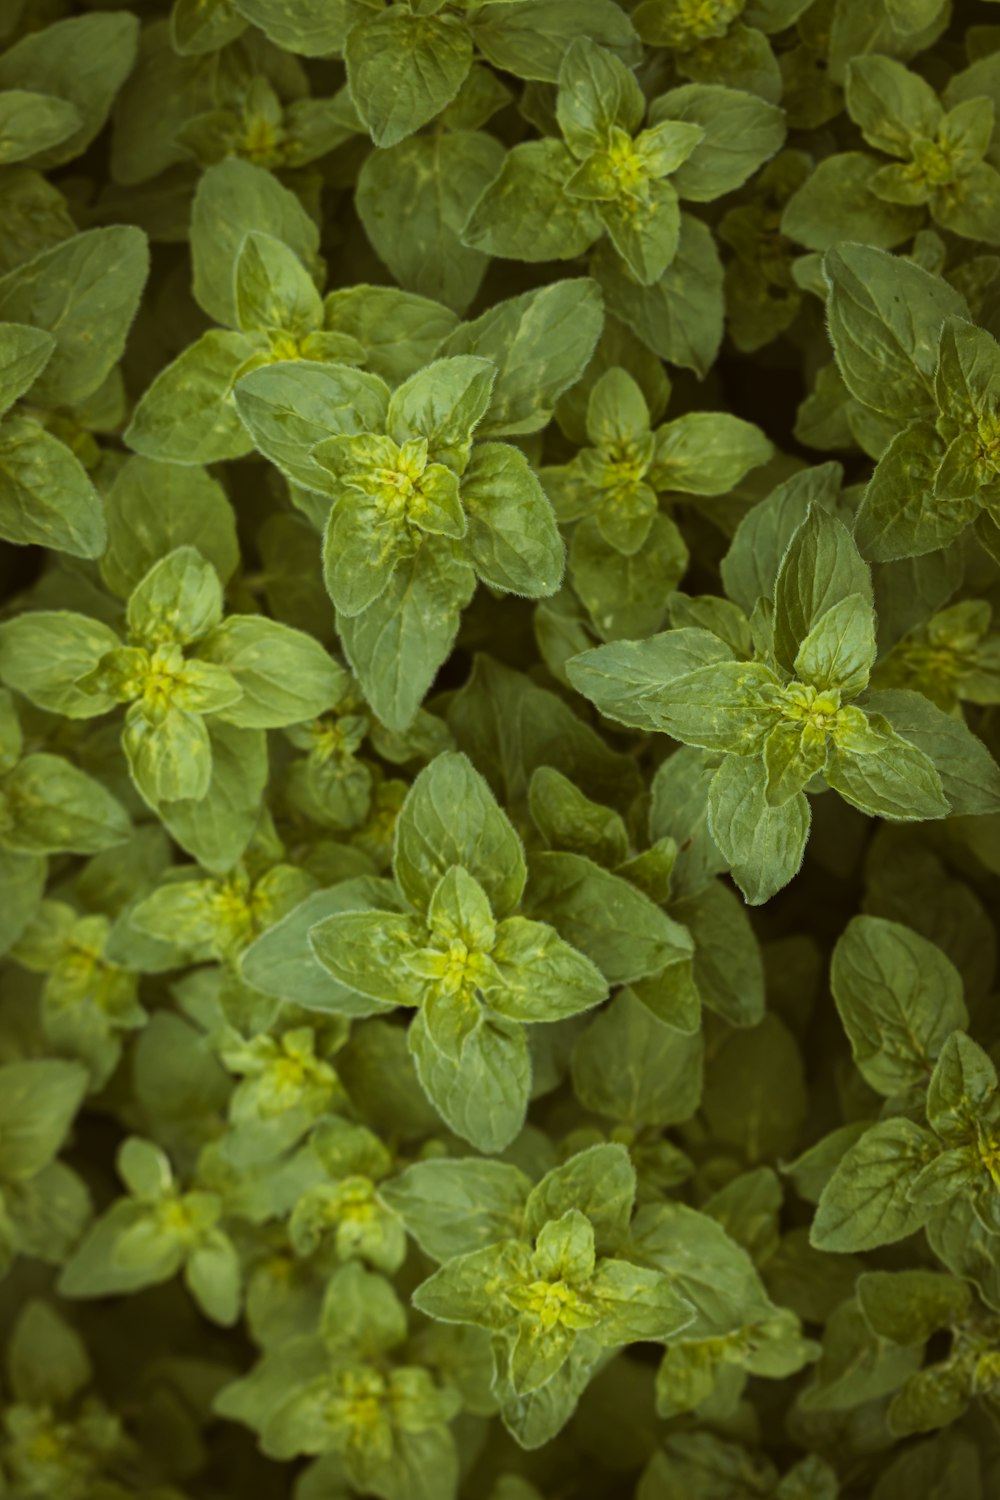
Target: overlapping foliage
{"type": "Point", "coordinates": [499, 802]}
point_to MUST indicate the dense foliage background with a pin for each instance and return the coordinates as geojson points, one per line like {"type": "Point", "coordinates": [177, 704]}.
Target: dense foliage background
{"type": "Point", "coordinates": [499, 824]}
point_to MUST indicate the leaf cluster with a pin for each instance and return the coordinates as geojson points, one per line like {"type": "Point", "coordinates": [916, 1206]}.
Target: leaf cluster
{"type": "Point", "coordinates": [499, 750]}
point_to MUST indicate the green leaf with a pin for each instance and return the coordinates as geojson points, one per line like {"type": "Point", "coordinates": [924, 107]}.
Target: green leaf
{"type": "Point", "coordinates": [740, 132]}
{"type": "Point", "coordinates": [821, 567]}
{"type": "Point", "coordinates": [152, 508]}
{"type": "Point", "coordinates": [969, 775]}
{"type": "Point", "coordinates": [83, 60]}
{"type": "Point", "coordinates": [616, 409]}
{"type": "Point", "coordinates": [599, 1183]}
{"type": "Point", "coordinates": [542, 977]}
{"type": "Point", "coordinates": [85, 293]}
{"type": "Point", "coordinates": [792, 758]}
{"type": "Point", "coordinates": [169, 760]}
{"type": "Point", "coordinates": [727, 967]}
{"type": "Point", "coordinates": [273, 288]}
{"type": "Point", "coordinates": [403, 69]}
{"type": "Point", "coordinates": [704, 1263]}
{"type": "Point", "coordinates": [286, 676]}
{"type": "Point", "coordinates": [568, 819]}
{"type": "Point", "coordinates": [977, 215]}
{"type": "Point", "coordinates": [38, 1102]}
{"type": "Point", "coordinates": [47, 498]}
{"type": "Point", "coordinates": [49, 1213]}
{"type": "Point", "coordinates": [839, 650]}
{"type": "Point", "coordinates": [97, 1267]}
{"type": "Point", "coordinates": [626, 595]}
{"type": "Point", "coordinates": [43, 655]}
{"type": "Point", "coordinates": [24, 353]}
{"type": "Point", "coordinates": [454, 1293]}
{"type": "Point", "coordinates": [596, 93]}
{"type": "Point", "coordinates": [885, 318]}
{"type": "Point", "coordinates": [836, 202]}
{"type": "Point", "coordinates": [883, 774]}
{"type": "Point", "coordinates": [919, 586]}
{"type": "Point", "coordinates": [186, 415]}
{"type": "Point", "coordinates": [908, 1306]}
{"type": "Point", "coordinates": [366, 951]}
{"type": "Point", "coordinates": [537, 1356]}
{"type": "Point", "coordinates": [891, 105]}
{"type": "Point", "coordinates": [529, 38]}
{"type": "Point", "coordinates": [679, 810]}
{"type": "Point", "coordinates": [962, 1086]}
{"type": "Point", "coordinates": [22, 882]}
{"type": "Point", "coordinates": [178, 600]}
{"type": "Point", "coordinates": [428, 182]}
{"type": "Point", "coordinates": [635, 1303]}
{"type": "Point", "coordinates": [509, 725]}
{"type": "Point", "coordinates": [232, 199]}
{"type": "Point", "coordinates": [36, 215]}
{"type": "Point", "coordinates": [450, 817]}
{"type": "Point", "coordinates": [310, 28]}
{"type": "Point", "coordinates": [755, 1097]}
{"type": "Point", "coordinates": [513, 541]}
{"type": "Point", "coordinates": [212, 1275]}
{"type": "Point", "coordinates": [53, 807]}
{"type": "Point", "coordinates": [750, 567]}
{"type": "Point", "coordinates": [621, 930]}
{"type": "Point", "coordinates": [730, 706]}
{"type": "Point", "coordinates": [533, 1420]}
{"type": "Point", "coordinates": [950, 1462]}
{"type": "Point", "coordinates": [32, 123]}
{"type": "Point", "coordinates": [144, 1169]}
{"type": "Point", "coordinates": [526, 214]}
{"type": "Point", "coordinates": [645, 235]}
{"type": "Point", "coordinates": [360, 554]}
{"type": "Point", "coordinates": [399, 331]}
{"type": "Point", "coordinates": [628, 680]}
{"type": "Point", "coordinates": [901, 513]}
{"type": "Point", "coordinates": [444, 402]}
{"type": "Point", "coordinates": [199, 26]}
{"type": "Point", "coordinates": [396, 646]}
{"type": "Point", "coordinates": [483, 1097]}
{"type": "Point", "coordinates": [154, 105]}
{"type": "Point", "coordinates": [454, 1207]}
{"type": "Point", "coordinates": [865, 1202]}
{"type": "Point", "coordinates": [763, 844]}
{"type": "Point", "coordinates": [291, 407]}
{"type": "Point", "coordinates": [856, 1366]}
{"type": "Point", "coordinates": [11, 733]}
{"type": "Point", "coordinates": [216, 827]}
{"type": "Point", "coordinates": [673, 997]}
{"type": "Point", "coordinates": [968, 360]}
{"type": "Point", "coordinates": [899, 998]}
{"type": "Point", "coordinates": [540, 343]}
{"type": "Point", "coordinates": [932, 1397]}
{"type": "Point", "coordinates": [707, 453]}
{"type": "Point", "coordinates": [48, 1360]}
{"type": "Point", "coordinates": [965, 1246]}
{"type": "Point", "coordinates": [631, 1068]}
{"type": "Point", "coordinates": [282, 962]}
{"type": "Point", "coordinates": [952, 1174]}
{"type": "Point", "coordinates": [681, 316]}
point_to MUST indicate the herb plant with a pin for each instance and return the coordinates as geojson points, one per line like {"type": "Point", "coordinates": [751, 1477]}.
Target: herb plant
{"type": "Point", "coordinates": [499, 787]}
